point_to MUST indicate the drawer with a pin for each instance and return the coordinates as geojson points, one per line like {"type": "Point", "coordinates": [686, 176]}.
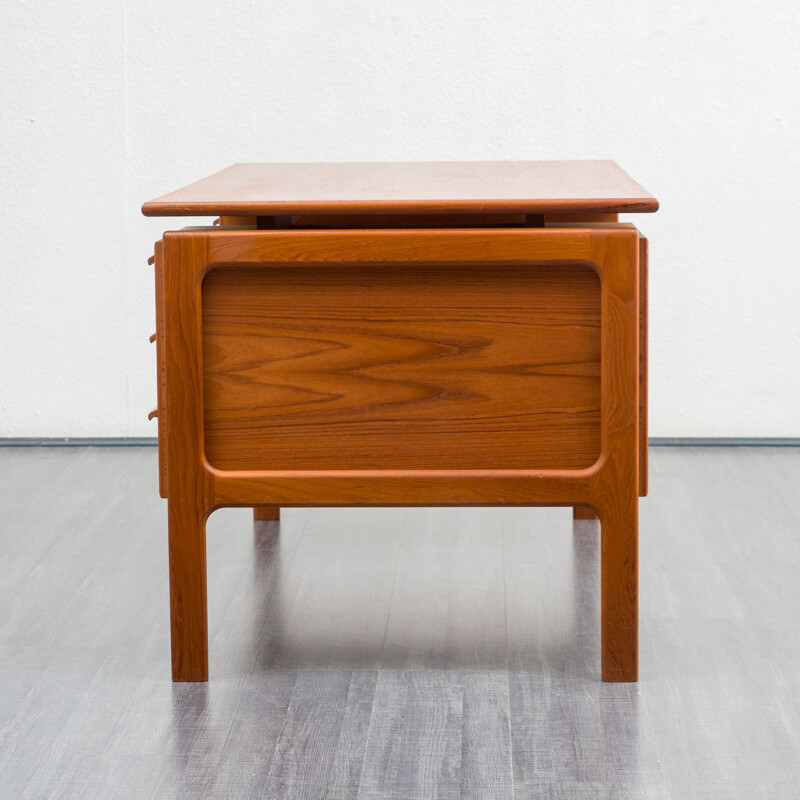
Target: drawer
{"type": "Point", "coordinates": [161, 370]}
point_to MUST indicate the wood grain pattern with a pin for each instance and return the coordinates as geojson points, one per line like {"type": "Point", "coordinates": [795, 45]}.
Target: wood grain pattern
{"type": "Point", "coordinates": [583, 512]}
{"type": "Point", "coordinates": [161, 365]}
{"type": "Point", "coordinates": [388, 221]}
{"type": "Point", "coordinates": [189, 484]}
{"type": "Point", "coordinates": [526, 187]}
{"type": "Point", "coordinates": [581, 217]}
{"type": "Point", "coordinates": [643, 335]}
{"type": "Point", "coordinates": [228, 292]}
{"type": "Point", "coordinates": [597, 221]}
{"type": "Point", "coordinates": [616, 492]}
{"type": "Point", "coordinates": [237, 221]}
{"type": "Point", "coordinates": [375, 367]}
{"type": "Point", "coordinates": [266, 513]}
{"type": "Point", "coordinates": [619, 582]}
{"type": "Point", "coordinates": [418, 220]}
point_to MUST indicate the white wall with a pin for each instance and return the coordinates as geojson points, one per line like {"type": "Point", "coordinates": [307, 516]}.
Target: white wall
{"type": "Point", "coordinates": [107, 105]}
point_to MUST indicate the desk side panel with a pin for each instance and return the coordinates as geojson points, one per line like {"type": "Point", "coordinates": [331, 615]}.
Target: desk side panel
{"type": "Point", "coordinates": [406, 366]}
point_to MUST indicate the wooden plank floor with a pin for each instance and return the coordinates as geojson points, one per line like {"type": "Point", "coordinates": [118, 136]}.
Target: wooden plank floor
{"type": "Point", "coordinates": [390, 653]}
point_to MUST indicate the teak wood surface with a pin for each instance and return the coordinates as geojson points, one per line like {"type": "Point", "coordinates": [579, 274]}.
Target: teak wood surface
{"type": "Point", "coordinates": [456, 187]}
{"type": "Point", "coordinates": [423, 367]}
{"type": "Point", "coordinates": [423, 334]}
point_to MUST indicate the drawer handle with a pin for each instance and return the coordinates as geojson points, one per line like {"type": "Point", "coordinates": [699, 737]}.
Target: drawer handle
{"type": "Point", "coordinates": [153, 413]}
{"type": "Point", "coordinates": [152, 338]}
{"type": "Point", "coordinates": [151, 260]}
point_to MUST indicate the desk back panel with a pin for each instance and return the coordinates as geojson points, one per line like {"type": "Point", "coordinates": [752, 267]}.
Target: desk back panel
{"type": "Point", "coordinates": [462, 366]}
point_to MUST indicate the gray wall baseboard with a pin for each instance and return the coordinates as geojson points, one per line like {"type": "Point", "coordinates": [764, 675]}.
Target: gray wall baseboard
{"type": "Point", "coordinates": [147, 441]}
{"type": "Point", "coordinates": [80, 441]}
{"type": "Point", "coordinates": [725, 441]}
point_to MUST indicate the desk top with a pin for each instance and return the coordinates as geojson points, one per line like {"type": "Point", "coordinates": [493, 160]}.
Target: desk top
{"type": "Point", "coordinates": [530, 187]}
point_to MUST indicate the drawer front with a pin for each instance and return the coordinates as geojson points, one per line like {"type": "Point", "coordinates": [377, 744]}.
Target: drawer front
{"type": "Point", "coordinates": [643, 303]}
{"type": "Point", "coordinates": [162, 371]}
{"type": "Point", "coordinates": [401, 366]}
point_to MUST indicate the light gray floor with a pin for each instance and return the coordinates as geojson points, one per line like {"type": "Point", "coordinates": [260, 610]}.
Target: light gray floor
{"type": "Point", "coordinates": [390, 653]}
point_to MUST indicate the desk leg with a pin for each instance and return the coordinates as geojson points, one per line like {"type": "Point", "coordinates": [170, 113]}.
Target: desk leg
{"type": "Point", "coordinates": [185, 259]}
{"type": "Point", "coordinates": [188, 594]}
{"type": "Point", "coordinates": [619, 576]}
{"type": "Point", "coordinates": [583, 512]}
{"type": "Point", "coordinates": [266, 513]}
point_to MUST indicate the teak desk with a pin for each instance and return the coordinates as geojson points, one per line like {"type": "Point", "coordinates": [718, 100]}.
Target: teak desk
{"type": "Point", "coordinates": [404, 334]}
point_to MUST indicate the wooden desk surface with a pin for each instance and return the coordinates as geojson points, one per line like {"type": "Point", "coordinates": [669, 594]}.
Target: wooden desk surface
{"type": "Point", "coordinates": [531, 187]}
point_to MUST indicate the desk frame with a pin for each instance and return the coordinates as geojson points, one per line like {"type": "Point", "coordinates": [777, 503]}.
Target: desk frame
{"type": "Point", "coordinates": [608, 489]}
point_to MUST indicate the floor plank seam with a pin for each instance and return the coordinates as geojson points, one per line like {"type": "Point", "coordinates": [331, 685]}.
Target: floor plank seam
{"type": "Point", "coordinates": [368, 737]}
{"type": "Point", "coordinates": [88, 707]}
{"type": "Point", "coordinates": [508, 665]}
{"type": "Point", "coordinates": [655, 743]}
